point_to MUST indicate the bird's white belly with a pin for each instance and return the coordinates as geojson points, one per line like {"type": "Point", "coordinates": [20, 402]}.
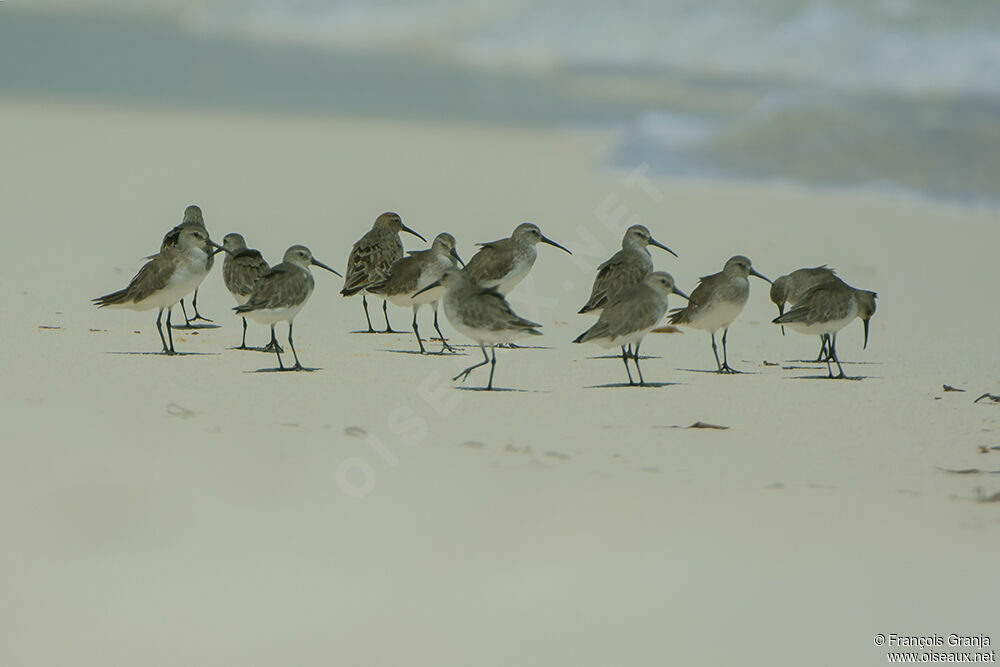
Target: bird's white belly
{"type": "Point", "coordinates": [486, 336]}
{"type": "Point", "coordinates": [719, 316]}
{"type": "Point", "coordinates": [241, 299]}
{"type": "Point", "coordinates": [627, 339]}
{"type": "Point", "coordinates": [821, 328]}
{"type": "Point", "coordinates": [430, 296]}
{"type": "Point", "coordinates": [516, 274]}
{"type": "Point", "coordinates": [185, 279]}
{"type": "Point", "coordinates": [272, 315]}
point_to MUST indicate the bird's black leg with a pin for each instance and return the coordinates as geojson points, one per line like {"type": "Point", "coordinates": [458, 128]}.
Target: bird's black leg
{"type": "Point", "coordinates": [243, 345]}
{"type": "Point", "coordinates": [385, 311]}
{"type": "Point", "coordinates": [825, 338]}
{"type": "Point", "coordinates": [465, 374]}
{"type": "Point", "coordinates": [833, 353]}
{"type": "Point", "coordinates": [297, 366]}
{"type": "Point", "coordinates": [726, 368]}
{"type": "Point", "coordinates": [273, 346]}
{"type": "Point", "coordinates": [170, 332]}
{"type": "Point", "coordinates": [493, 365]}
{"type": "Point", "coordinates": [635, 359]}
{"type": "Point", "coordinates": [444, 343]}
{"type": "Point", "coordinates": [197, 315]}
{"type": "Point", "coordinates": [159, 327]}
{"type": "Point", "coordinates": [824, 353]}
{"type": "Point", "coordinates": [630, 352]}
{"type": "Point", "coordinates": [277, 350]}
{"type": "Point", "coordinates": [625, 356]}
{"type": "Point", "coordinates": [187, 322]}
{"type": "Point", "coordinates": [364, 302]}
{"type": "Point", "coordinates": [715, 351]}
{"type": "Point", "coordinates": [416, 332]}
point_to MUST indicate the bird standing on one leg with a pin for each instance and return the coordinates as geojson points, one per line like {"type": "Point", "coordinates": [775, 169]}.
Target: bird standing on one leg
{"type": "Point", "coordinates": [717, 301]}
{"type": "Point", "coordinates": [280, 294]}
{"type": "Point", "coordinates": [372, 256]}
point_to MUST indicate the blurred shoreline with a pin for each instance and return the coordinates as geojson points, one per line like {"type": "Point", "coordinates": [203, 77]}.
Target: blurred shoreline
{"type": "Point", "coordinates": [704, 127]}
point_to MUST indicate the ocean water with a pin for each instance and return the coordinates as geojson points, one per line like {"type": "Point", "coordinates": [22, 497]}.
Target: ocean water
{"type": "Point", "coordinates": [895, 95]}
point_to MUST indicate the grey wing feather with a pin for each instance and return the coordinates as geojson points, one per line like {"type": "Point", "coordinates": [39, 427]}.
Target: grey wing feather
{"type": "Point", "coordinates": [370, 261]}
{"type": "Point", "coordinates": [697, 301]}
{"type": "Point", "coordinates": [490, 310]}
{"type": "Point", "coordinates": [820, 304]}
{"type": "Point", "coordinates": [612, 276]}
{"type": "Point", "coordinates": [274, 290]}
{"type": "Point", "coordinates": [403, 276]}
{"type": "Point", "coordinates": [626, 314]}
{"type": "Point", "coordinates": [492, 262]}
{"type": "Point", "coordinates": [152, 277]}
{"type": "Point", "coordinates": [243, 270]}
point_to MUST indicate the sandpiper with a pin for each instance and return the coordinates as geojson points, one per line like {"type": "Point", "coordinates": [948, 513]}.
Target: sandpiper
{"type": "Point", "coordinates": [242, 267]}
{"type": "Point", "coordinates": [717, 301]}
{"type": "Point", "coordinates": [825, 310]}
{"type": "Point", "coordinates": [483, 315]}
{"type": "Point", "coordinates": [631, 314]}
{"type": "Point", "coordinates": [627, 267]}
{"type": "Point", "coordinates": [281, 293]}
{"type": "Point", "coordinates": [372, 256]}
{"type": "Point", "coordinates": [788, 289]}
{"type": "Point", "coordinates": [165, 278]}
{"type": "Point", "coordinates": [410, 275]}
{"type": "Point", "coordinates": [503, 264]}
{"type": "Point", "coordinates": [192, 219]}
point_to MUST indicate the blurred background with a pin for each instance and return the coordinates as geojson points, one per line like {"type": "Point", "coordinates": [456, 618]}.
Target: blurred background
{"type": "Point", "coordinates": [893, 96]}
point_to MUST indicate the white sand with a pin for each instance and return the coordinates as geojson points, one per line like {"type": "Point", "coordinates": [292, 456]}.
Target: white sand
{"type": "Point", "coordinates": [182, 511]}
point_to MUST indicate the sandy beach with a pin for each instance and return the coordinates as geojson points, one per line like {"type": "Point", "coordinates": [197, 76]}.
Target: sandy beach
{"type": "Point", "coordinates": [187, 510]}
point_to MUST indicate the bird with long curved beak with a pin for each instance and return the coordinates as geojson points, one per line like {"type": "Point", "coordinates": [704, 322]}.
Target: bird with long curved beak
{"type": "Point", "coordinates": [629, 266]}
{"type": "Point", "coordinates": [825, 310]}
{"type": "Point", "coordinates": [717, 301]}
{"type": "Point", "coordinates": [504, 263]}
{"type": "Point", "coordinates": [372, 257]}
{"type": "Point", "coordinates": [280, 294]}
{"type": "Point", "coordinates": [410, 279]}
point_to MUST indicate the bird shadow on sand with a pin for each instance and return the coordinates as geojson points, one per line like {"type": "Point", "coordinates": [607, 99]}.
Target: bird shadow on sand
{"type": "Point", "coordinates": [626, 385]}
{"type": "Point", "coordinates": [503, 389]}
{"type": "Point", "coordinates": [285, 370]}
{"type": "Point", "coordinates": [163, 354]}
{"type": "Point", "coordinates": [253, 349]}
{"type": "Point", "coordinates": [814, 361]}
{"type": "Point", "coordinates": [373, 333]}
{"type": "Point", "coordinates": [193, 327]}
{"type": "Point", "coordinates": [418, 353]}
{"type": "Point", "coordinates": [642, 357]}
{"type": "Point", "coordinates": [855, 378]}
{"type": "Point", "coordinates": [715, 372]}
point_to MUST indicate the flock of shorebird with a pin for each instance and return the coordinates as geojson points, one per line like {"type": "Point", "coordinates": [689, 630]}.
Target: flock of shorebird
{"type": "Point", "coordinates": [629, 296]}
